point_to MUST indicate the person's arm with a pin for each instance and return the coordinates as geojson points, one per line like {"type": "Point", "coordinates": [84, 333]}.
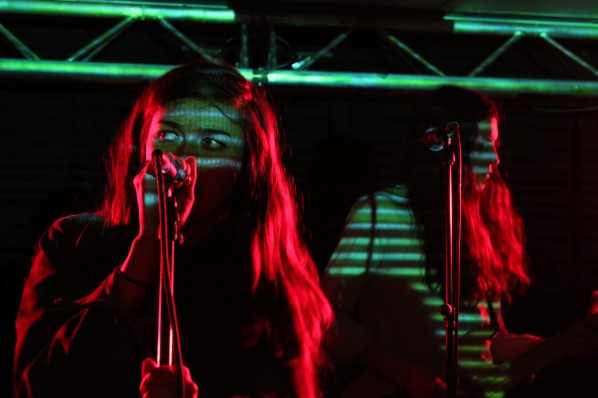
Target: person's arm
{"type": "Point", "coordinates": [141, 266]}
{"type": "Point", "coordinates": [69, 338]}
{"type": "Point", "coordinates": [505, 346]}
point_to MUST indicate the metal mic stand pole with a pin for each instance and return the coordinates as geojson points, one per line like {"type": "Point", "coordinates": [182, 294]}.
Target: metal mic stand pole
{"type": "Point", "coordinates": [450, 310]}
{"type": "Point", "coordinates": [168, 235]}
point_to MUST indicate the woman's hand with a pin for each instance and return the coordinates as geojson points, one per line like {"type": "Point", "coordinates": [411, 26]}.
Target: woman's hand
{"type": "Point", "coordinates": [147, 196]}
{"type": "Point", "coordinates": [423, 384]}
{"type": "Point", "coordinates": [505, 347]}
{"type": "Point", "coordinates": [185, 194]}
{"type": "Point", "coordinates": [161, 381]}
{"type": "Point", "coordinates": [141, 265]}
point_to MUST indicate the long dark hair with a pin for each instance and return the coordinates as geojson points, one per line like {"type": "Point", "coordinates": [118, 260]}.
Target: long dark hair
{"type": "Point", "coordinates": [494, 260]}
{"type": "Point", "coordinates": [264, 206]}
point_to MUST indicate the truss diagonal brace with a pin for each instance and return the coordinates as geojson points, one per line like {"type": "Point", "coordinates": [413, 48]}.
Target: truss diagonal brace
{"type": "Point", "coordinates": [569, 54]}
{"type": "Point", "coordinates": [97, 45]}
{"type": "Point", "coordinates": [185, 40]}
{"type": "Point", "coordinates": [309, 61]}
{"type": "Point", "coordinates": [398, 44]}
{"type": "Point", "coordinates": [18, 44]}
{"type": "Point", "coordinates": [492, 57]}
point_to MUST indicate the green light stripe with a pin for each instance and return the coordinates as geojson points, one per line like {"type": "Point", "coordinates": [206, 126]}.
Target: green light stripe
{"type": "Point", "coordinates": [97, 70]}
{"type": "Point", "coordinates": [534, 30]}
{"type": "Point", "coordinates": [410, 82]}
{"type": "Point", "coordinates": [115, 10]}
{"type": "Point", "coordinates": [494, 394]}
{"type": "Point", "coordinates": [82, 69]}
{"type": "Point", "coordinates": [362, 256]}
{"type": "Point", "coordinates": [469, 348]}
{"type": "Point", "coordinates": [323, 79]}
{"type": "Point", "coordinates": [463, 318]}
{"type": "Point", "coordinates": [442, 332]}
{"type": "Point", "coordinates": [381, 210]}
{"type": "Point", "coordinates": [495, 379]}
{"type": "Point", "coordinates": [379, 226]}
{"type": "Point", "coordinates": [355, 271]}
{"type": "Point", "coordinates": [399, 243]}
{"type": "Point", "coordinates": [474, 363]}
{"type": "Point", "coordinates": [419, 286]}
{"type": "Point", "coordinates": [471, 23]}
{"type": "Point", "coordinates": [433, 301]}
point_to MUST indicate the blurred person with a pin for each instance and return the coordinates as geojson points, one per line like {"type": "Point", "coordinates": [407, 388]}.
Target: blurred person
{"type": "Point", "coordinates": [385, 279]}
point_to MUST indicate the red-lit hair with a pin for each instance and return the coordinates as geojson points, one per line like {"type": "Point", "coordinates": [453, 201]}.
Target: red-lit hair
{"type": "Point", "coordinates": [494, 259]}
{"type": "Point", "coordinates": [495, 238]}
{"type": "Point", "coordinates": [264, 205]}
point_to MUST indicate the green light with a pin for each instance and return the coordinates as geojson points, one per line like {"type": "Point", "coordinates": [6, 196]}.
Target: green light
{"type": "Point", "coordinates": [362, 256]}
{"type": "Point", "coordinates": [464, 318]}
{"type": "Point", "coordinates": [346, 271]}
{"type": "Point", "coordinates": [140, 10]}
{"type": "Point", "coordinates": [88, 70]}
{"type": "Point", "coordinates": [82, 69]}
{"type": "Point", "coordinates": [469, 348]}
{"type": "Point", "coordinates": [380, 226]}
{"type": "Point", "coordinates": [355, 271]}
{"type": "Point", "coordinates": [473, 363]}
{"type": "Point", "coordinates": [411, 82]}
{"type": "Point", "coordinates": [402, 242]}
{"type": "Point", "coordinates": [464, 23]}
{"type": "Point", "coordinates": [406, 271]}
{"type": "Point", "coordinates": [419, 286]}
{"type": "Point", "coordinates": [433, 301]}
{"type": "Point", "coordinates": [494, 379]}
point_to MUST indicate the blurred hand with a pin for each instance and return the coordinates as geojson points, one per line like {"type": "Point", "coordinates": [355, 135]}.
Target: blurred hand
{"type": "Point", "coordinates": [587, 330]}
{"type": "Point", "coordinates": [423, 384]}
{"type": "Point", "coordinates": [161, 381]}
{"type": "Point", "coordinates": [505, 347]}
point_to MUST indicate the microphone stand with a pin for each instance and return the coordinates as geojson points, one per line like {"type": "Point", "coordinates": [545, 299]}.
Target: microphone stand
{"type": "Point", "coordinates": [169, 236]}
{"type": "Point", "coordinates": [450, 309]}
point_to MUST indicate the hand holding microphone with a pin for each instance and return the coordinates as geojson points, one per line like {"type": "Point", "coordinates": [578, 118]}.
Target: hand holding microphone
{"type": "Point", "coordinates": [175, 170]}
{"type": "Point", "coordinates": [435, 136]}
{"type": "Point", "coordinates": [179, 178]}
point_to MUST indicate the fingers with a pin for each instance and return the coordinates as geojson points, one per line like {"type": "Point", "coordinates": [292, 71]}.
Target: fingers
{"type": "Point", "coordinates": [185, 195]}
{"type": "Point", "coordinates": [147, 366]}
{"type": "Point", "coordinates": [147, 198]}
{"type": "Point", "coordinates": [161, 381]}
{"type": "Point", "coordinates": [147, 195]}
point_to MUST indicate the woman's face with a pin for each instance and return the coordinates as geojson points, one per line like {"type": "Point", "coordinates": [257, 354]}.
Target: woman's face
{"type": "Point", "coordinates": [213, 134]}
{"type": "Point", "coordinates": [483, 157]}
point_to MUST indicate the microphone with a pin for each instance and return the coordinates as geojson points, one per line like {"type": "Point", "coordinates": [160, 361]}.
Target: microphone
{"type": "Point", "coordinates": [174, 169]}
{"type": "Point", "coordinates": [434, 139]}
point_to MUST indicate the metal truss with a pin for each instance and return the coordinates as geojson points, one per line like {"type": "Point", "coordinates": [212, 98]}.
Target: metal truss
{"type": "Point", "coordinates": [128, 41]}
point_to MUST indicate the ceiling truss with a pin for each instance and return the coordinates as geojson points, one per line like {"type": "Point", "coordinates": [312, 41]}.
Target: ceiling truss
{"type": "Point", "coordinates": [497, 55]}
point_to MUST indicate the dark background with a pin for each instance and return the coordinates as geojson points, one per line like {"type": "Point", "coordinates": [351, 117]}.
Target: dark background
{"type": "Point", "coordinates": [340, 144]}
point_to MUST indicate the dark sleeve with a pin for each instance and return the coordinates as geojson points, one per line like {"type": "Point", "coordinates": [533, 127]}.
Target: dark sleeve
{"type": "Point", "coordinates": [71, 342]}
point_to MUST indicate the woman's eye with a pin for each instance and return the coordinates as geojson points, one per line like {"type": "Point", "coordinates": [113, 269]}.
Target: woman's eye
{"type": "Point", "coordinates": [211, 143]}
{"type": "Point", "coordinates": [168, 136]}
